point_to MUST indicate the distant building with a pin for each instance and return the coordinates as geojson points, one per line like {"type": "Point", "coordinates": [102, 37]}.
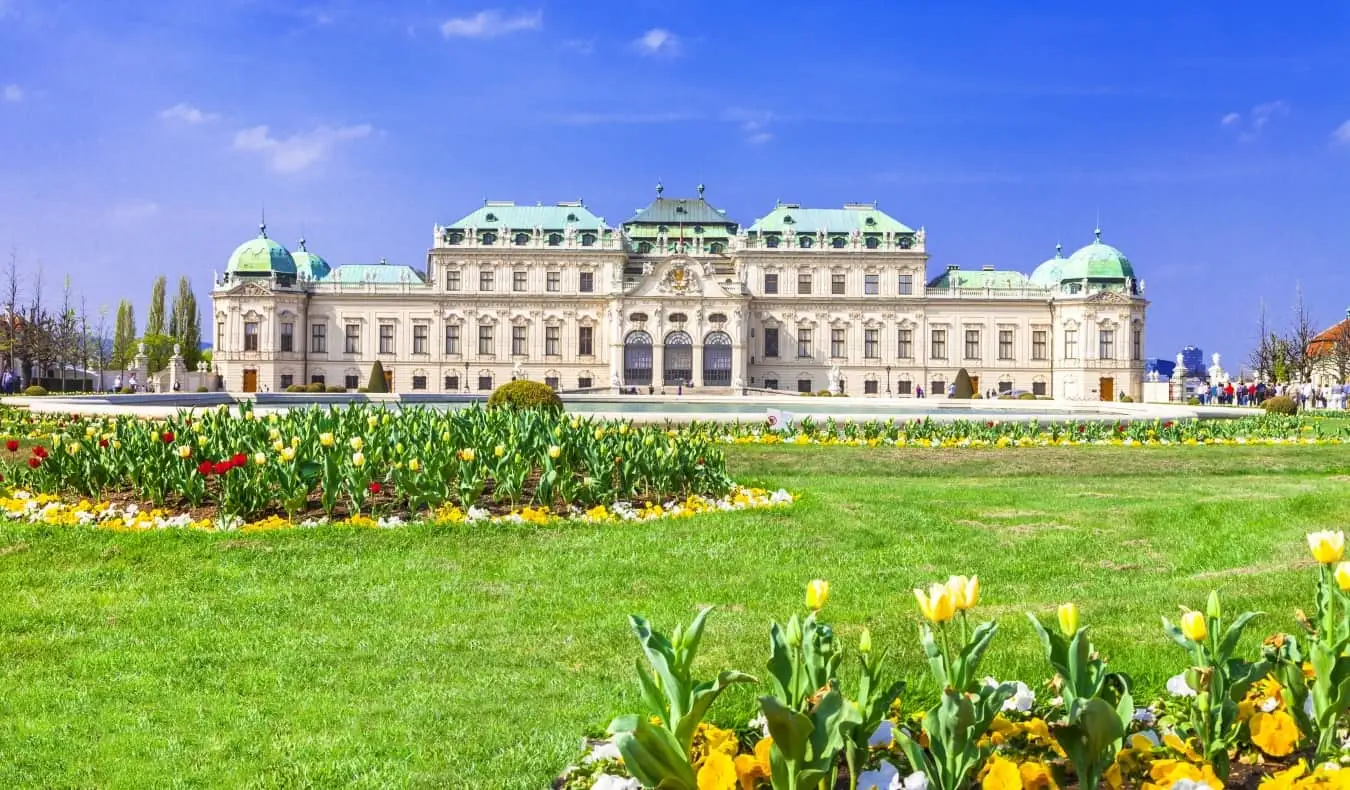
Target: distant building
{"type": "Point", "coordinates": [1330, 351]}
{"type": "Point", "coordinates": [1194, 359]}
{"type": "Point", "coordinates": [1163, 367]}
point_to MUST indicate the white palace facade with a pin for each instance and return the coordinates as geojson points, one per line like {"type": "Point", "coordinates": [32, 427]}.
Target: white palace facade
{"type": "Point", "coordinates": [681, 295]}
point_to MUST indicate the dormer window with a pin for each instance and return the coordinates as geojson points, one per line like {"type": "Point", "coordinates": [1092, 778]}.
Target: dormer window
{"type": "Point", "coordinates": [870, 221]}
{"type": "Point", "coordinates": [715, 248]}
{"type": "Point", "coordinates": [455, 237]}
{"type": "Point", "coordinates": [522, 239]}
{"type": "Point", "coordinates": [771, 242]}
{"type": "Point", "coordinates": [788, 220]}
{"type": "Point", "coordinates": [554, 239]}
{"type": "Point", "coordinates": [872, 242]}
{"type": "Point", "coordinates": [491, 217]}
{"type": "Point", "coordinates": [488, 237]}
{"type": "Point", "coordinates": [679, 210]}
{"type": "Point", "coordinates": [837, 242]}
{"type": "Point", "coordinates": [804, 242]}
{"type": "Point", "coordinates": [644, 247]}
{"type": "Point", "coordinates": [906, 242]}
{"type": "Point", "coordinates": [571, 217]}
{"type": "Point", "coordinates": [587, 239]}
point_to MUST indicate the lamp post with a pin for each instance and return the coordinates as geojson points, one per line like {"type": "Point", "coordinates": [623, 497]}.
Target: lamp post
{"type": "Point", "coordinates": [888, 381]}
{"type": "Point", "coordinates": [466, 377]}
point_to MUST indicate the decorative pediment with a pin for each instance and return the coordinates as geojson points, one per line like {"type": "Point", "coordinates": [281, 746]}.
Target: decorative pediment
{"type": "Point", "coordinates": [1109, 297]}
{"type": "Point", "coordinates": [254, 289]}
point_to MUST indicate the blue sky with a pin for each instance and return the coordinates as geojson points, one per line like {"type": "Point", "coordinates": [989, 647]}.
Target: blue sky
{"type": "Point", "coordinates": [141, 137]}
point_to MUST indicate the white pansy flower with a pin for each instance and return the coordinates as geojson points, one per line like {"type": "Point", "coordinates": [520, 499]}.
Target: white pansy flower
{"type": "Point", "coordinates": [1269, 704]}
{"type": "Point", "coordinates": [759, 723]}
{"type": "Point", "coordinates": [883, 737]}
{"type": "Point", "coordinates": [1021, 700]}
{"type": "Point", "coordinates": [1145, 717]}
{"type": "Point", "coordinates": [1178, 687]}
{"type": "Point", "coordinates": [612, 782]}
{"type": "Point", "coordinates": [883, 777]}
{"type": "Point", "coordinates": [602, 751]}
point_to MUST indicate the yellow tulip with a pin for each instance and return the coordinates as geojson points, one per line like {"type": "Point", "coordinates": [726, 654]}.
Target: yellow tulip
{"type": "Point", "coordinates": [1068, 619]}
{"type": "Point", "coordinates": [185, 451]}
{"type": "Point", "coordinates": [554, 451]}
{"type": "Point", "coordinates": [277, 445]}
{"type": "Point", "coordinates": [357, 443]}
{"type": "Point", "coordinates": [288, 453]}
{"type": "Point", "coordinates": [414, 465]}
{"type": "Point", "coordinates": [326, 439]}
{"type": "Point", "coordinates": [1327, 547]}
{"type": "Point", "coordinates": [466, 454]}
{"type": "Point", "coordinates": [865, 642]}
{"type": "Point", "coordinates": [937, 605]}
{"type": "Point", "coordinates": [1343, 576]}
{"type": "Point", "coordinates": [498, 451]}
{"type": "Point", "coordinates": [260, 459]}
{"type": "Point", "coordinates": [1193, 626]}
{"type": "Point", "coordinates": [358, 459]}
{"type": "Point", "coordinates": [817, 593]}
{"type": "Point", "coordinates": [965, 593]}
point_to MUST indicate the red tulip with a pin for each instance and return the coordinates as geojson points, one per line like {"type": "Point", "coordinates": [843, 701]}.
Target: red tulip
{"type": "Point", "coordinates": [40, 451]}
{"type": "Point", "coordinates": [34, 462]}
{"type": "Point", "coordinates": [221, 467]}
{"type": "Point", "coordinates": [239, 459]}
{"type": "Point", "coordinates": [205, 468]}
{"type": "Point", "coordinates": [375, 487]}
{"type": "Point", "coordinates": [12, 445]}
{"type": "Point", "coordinates": [168, 437]}
{"type": "Point", "coordinates": [102, 442]}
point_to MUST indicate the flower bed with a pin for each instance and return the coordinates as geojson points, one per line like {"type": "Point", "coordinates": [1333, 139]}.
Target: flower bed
{"type": "Point", "coordinates": [925, 432]}
{"type": "Point", "coordinates": [1275, 717]}
{"type": "Point", "coordinates": [363, 462]}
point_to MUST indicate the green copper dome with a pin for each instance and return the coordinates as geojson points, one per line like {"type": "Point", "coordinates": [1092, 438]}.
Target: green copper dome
{"type": "Point", "coordinates": [1048, 273]}
{"type": "Point", "coordinates": [309, 266]}
{"type": "Point", "coordinates": [1097, 262]}
{"type": "Point", "coordinates": [261, 256]}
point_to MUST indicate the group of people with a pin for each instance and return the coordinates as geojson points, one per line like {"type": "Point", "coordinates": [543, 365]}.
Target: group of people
{"type": "Point", "coordinates": [1251, 393]}
{"type": "Point", "coordinates": [1254, 393]}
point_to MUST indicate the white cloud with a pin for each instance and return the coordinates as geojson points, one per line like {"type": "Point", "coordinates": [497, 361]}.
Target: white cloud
{"type": "Point", "coordinates": [1250, 126]}
{"type": "Point", "coordinates": [658, 41]}
{"type": "Point", "coordinates": [12, 93]}
{"type": "Point", "coordinates": [300, 150]}
{"type": "Point", "coordinates": [133, 211]}
{"type": "Point", "coordinates": [754, 124]}
{"type": "Point", "coordinates": [1342, 134]}
{"type": "Point", "coordinates": [490, 24]}
{"type": "Point", "coordinates": [186, 113]}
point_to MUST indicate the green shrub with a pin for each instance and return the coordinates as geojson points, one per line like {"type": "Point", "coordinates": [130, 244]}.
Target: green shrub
{"type": "Point", "coordinates": [964, 389]}
{"type": "Point", "coordinates": [35, 391]}
{"type": "Point", "coordinates": [1027, 396]}
{"type": "Point", "coordinates": [203, 389]}
{"type": "Point", "coordinates": [296, 388]}
{"type": "Point", "coordinates": [824, 393]}
{"type": "Point", "coordinates": [976, 396]}
{"type": "Point", "coordinates": [1280, 404]}
{"type": "Point", "coordinates": [1006, 396]}
{"type": "Point", "coordinates": [314, 386]}
{"type": "Point", "coordinates": [377, 382]}
{"type": "Point", "coordinates": [1192, 401]}
{"type": "Point", "coordinates": [126, 390]}
{"type": "Point", "coordinates": [362, 389]}
{"type": "Point", "coordinates": [525, 394]}
{"type": "Point", "coordinates": [1126, 399]}
{"type": "Point", "coordinates": [336, 388]}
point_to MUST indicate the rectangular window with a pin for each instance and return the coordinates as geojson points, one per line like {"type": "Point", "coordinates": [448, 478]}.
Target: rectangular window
{"type": "Point", "coordinates": [386, 338]}
{"type": "Point", "coordinates": [803, 282]}
{"type": "Point", "coordinates": [904, 343]}
{"type": "Point", "coordinates": [837, 284]}
{"type": "Point", "coordinates": [771, 342]}
{"type": "Point", "coordinates": [551, 341]}
{"type": "Point", "coordinates": [1005, 387]}
{"type": "Point", "coordinates": [1106, 344]}
{"type": "Point", "coordinates": [585, 341]}
{"type": "Point", "coordinates": [518, 279]}
{"type": "Point", "coordinates": [452, 383]}
{"type": "Point", "coordinates": [485, 340]}
{"type": "Point", "coordinates": [351, 343]}
{"type": "Point", "coordinates": [518, 341]}
{"type": "Point", "coordinates": [250, 335]}
{"type": "Point", "coordinates": [1136, 344]}
{"type": "Point", "coordinates": [287, 336]}
{"type": "Point", "coordinates": [871, 284]}
{"type": "Point", "coordinates": [485, 280]}
{"type": "Point", "coordinates": [419, 382]}
{"type": "Point", "coordinates": [586, 282]}
{"type": "Point", "coordinates": [584, 382]}
{"type": "Point", "coordinates": [1071, 344]}
{"type": "Point", "coordinates": [318, 338]}
{"type": "Point", "coordinates": [1005, 344]}
{"type": "Point", "coordinates": [287, 380]}
{"type": "Point", "coordinates": [551, 382]}
{"type": "Point", "coordinates": [803, 385]}
{"type": "Point", "coordinates": [351, 382]}
{"type": "Point", "coordinates": [906, 284]}
{"type": "Point", "coordinates": [485, 383]}
{"type": "Point", "coordinates": [939, 349]}
{"type": "Point", "coordinates": [972, 344]}
{"type": "Point", "coordinates": [872, 343]}
{"type": "Point", "coordinates": [770, 384]}
{"type": "Point", "coordinates": [220, 334]}
{"type": "Point", "coordinates": [452, 279]}
{"type": "Point", "coordinates": [1038, 350]}
{"type": "Point", "coordinates": [420, 335]}
{"type": "Point", "coordinates": [317, 378]}
{"type": "Point", "coordinates": [1038, 388]}
{"type": "Point", "coordinates": [804, 344]}
{"type": "Point", "coordinates": [771, 283]}
{"type": "Point", "coordinates": [904, 387]}
{"type": "Point", "coordinates": [553, 282]}
{"type": "Point", "coordinates": [452, 338]}
{"type": "Point", "coordinates": [870, 387]}
{"type": "Point", "coordinates": [937, 387]}
{"type": "Point", "coordinates": [837, 343]}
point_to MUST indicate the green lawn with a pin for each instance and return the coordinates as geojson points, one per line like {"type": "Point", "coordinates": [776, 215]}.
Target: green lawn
{"type": "Point", "coordinates": [476, 658]}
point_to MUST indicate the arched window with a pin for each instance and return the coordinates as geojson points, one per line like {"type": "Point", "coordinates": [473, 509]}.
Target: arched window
{"type": "Point", "coordinates": [456, 237]}
{"type": "Point", "coordinates": [906, 242]}
{"type": "Point", "coordinates": [488, 237]}
{"type": "Point", "coordinates": [644, 247]}
{"type": "Point", "coordinates": [771, 242]}
{"type": "Point", "coordinates": [554, 239]}
{"type": "Point", "coordinates": [837, 242]}
{"type": "Point", "coordinates": [637, 358]}
{"type": "Point", "coordinates": [638, 318]}
{"type": "Point", "coordinates": [522, 239]}
{"type": "Point", "coordinates": [587, 239]}
{"type": "Point", "coordinates": [715, 248]}
{"type": "Point", "coordinates": [717, 359]}
{"type": "Point", "coordinates": [804, 242]}
{"type": "Point", "coordinates": [679, 359]}
{"type": "Point", "coordinates": [872, 242]}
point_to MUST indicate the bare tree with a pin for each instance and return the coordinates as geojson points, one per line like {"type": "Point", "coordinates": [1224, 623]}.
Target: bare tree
{"type": "Point", "coordinates": [101, 344]}
{"type": "Point", "coordinates": [11, 332]}
{"type": "Point", "coordinates": [1260, 357]}
{"type": "Point", "coordinates": [1301, 333]}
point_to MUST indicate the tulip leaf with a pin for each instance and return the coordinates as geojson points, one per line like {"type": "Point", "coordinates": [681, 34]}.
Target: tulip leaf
{"type": "Point", "coordinates": [790, 730]}
{"type": "Point", "coordinates": [1175, 635]}
{"type": "Point", "coordinates": [1234, 633]}
{"type": "Point", "coordinates": [651, 754]}
{"type": "Point", "coordinates": [703, 698]}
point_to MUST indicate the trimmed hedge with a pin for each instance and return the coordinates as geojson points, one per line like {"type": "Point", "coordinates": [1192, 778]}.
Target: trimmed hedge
{"type": "Point", "coordinates": [964, 389]}
{"type": "Point", "coordinates": [525, 394]}
{"type": "Point", "coordinates": [1027, 396]}
{"type": "Point", "coordinates": [1280, 404]}
{"type": "Point", "coordinates": [377, 383]}
{"type": "Point", "coordinates": [35, 391]}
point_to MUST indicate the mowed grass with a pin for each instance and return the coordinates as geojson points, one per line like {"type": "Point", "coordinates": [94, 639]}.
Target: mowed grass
{"type": "Point", "coordinates": [428, 657]}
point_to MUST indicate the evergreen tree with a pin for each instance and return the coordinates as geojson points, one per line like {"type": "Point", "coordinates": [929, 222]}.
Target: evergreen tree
{"type": "Point", "coordinates": [185, 323]}
{"type": "Point", "coordinates": [377, 382]}
{"type": "Point", "coordinates": [154, 320]}
{"type": "Point", "coordinates": [964, 387]}
{"type": "Point", "coordinates": [124, 336]}
{"type": "Point", "coordinates": [158, 345]}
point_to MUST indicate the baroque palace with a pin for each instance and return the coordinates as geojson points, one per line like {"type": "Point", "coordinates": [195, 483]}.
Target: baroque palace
{"type": "Point", "coordinates": [681, 295]}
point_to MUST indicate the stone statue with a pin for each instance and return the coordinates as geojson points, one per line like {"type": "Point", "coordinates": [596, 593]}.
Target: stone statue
{"type": "Point", "coordinates": [177, 350]}
{"type": "Point", "coordinates": [518, 372]}
{"type": "Point", "coordinates": [836, 375]}
{"type": "Point", "coordinates": [919, 236]}
{"type": "Point", "coordinates": [1181, 366]}
{"type": "Point", "coordinates": [140, 349]}
{"type": "Point", "coordinates": [739, 383]}
{"type": "Point", "coordinates": [614, 380]}
{"type": "Point", "coordinates": [1217, 374]}
{"type": "Point", "coordinates": [570, 233]}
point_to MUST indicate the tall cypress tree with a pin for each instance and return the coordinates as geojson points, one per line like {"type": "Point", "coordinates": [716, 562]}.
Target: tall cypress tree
{"type": "Point", "coordinates": [124, 336]}
{"type": "Point", "coordinates": [154, 320]}
{"type": "Point", "coordinates": [185, 323]}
